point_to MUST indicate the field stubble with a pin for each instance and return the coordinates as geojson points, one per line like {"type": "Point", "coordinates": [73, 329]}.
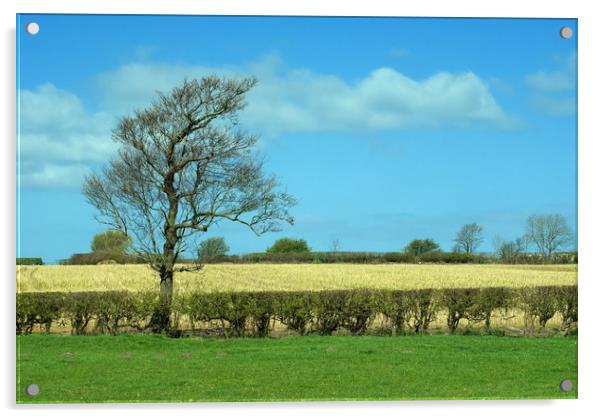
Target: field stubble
{"type": "Point", "coordinates": [288, 277]}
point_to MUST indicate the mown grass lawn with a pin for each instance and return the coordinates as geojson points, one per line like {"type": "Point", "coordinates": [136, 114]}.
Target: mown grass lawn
{"type": "Point", "coordinates": [145, 368]}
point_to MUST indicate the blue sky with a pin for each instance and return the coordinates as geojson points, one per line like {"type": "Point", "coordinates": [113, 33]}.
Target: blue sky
{"type": "Point", "coordinates": [384, 129]}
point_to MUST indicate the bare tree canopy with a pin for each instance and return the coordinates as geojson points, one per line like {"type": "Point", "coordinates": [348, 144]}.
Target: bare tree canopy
{"type": "Point", "coordinates": [469, 237]}
{"type": "Point", "coordinates": [549, 233]}
{"type": "Point", "coordinates": [335, 245]}
{"type": "Point", "coordinates": [509, 251]}
{"type": "Point", "coordinates": [183, 166]}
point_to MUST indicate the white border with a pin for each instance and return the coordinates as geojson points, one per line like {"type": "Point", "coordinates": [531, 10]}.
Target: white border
{"type": "Point", "coordinates": [590, 204]}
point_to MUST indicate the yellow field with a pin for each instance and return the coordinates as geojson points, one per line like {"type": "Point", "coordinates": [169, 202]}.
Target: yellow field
{"type": "Point", "coordinates": [222, 277]}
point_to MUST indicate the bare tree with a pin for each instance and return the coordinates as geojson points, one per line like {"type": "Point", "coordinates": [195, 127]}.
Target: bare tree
{"type": "Point", "coordinates": [509, 251]}
{"type": "Point", "coordinates": [335, 246]}
{"type": "Point", "coordinates": [549, 233]}
{"type": "Point", "coordinates": [469, 237]}
{"type": "Point", "coordinates": [183, 166]}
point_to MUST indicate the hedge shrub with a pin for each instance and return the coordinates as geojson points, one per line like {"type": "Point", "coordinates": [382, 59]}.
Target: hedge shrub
{"type": "Point", "coordinates": [110, 311]}
{"type": "Point", "coordinates": [394, 305]}
{"type": "Point", "coordinates": [240, 314]}
{"type": "Point", "coordinates": [539, 303]}
{"type": "Point", "coordinates": [29, 261]}
{"type": "Point", "coordinates": [567, 303]}
{"type": "Point", "coordinates": [334, 257]}
{"type": "Point", "coordinates": [460, 304]}
{"type": "Point", "coordinates": [98, 257]}
{"type": "Point", "coordinates": [294, 309]}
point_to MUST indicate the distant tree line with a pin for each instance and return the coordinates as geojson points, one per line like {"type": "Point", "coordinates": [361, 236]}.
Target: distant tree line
{"type": "Point", "coordinates": [546, 240]}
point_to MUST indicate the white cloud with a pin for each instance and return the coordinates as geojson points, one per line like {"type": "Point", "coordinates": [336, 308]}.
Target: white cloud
{"type": "Point", "coordinates": [134, 85]}
{"type": "Point", "coordinates": [384, 99]}
{"type": "Point", "coordinates": [299, 100]}
{"type": "Point", "coordinates": [554, 92]}
{"type": "Point", "coordinates": [555, 106]}
{"type": "Point", "coordinates": [550, 81]}
{"type": "Point", "coordinates": [57, 137]}
{"type": "Point", "coordinates": [53, 175]}
{"type": "Point", "coordinates": [563, 78]}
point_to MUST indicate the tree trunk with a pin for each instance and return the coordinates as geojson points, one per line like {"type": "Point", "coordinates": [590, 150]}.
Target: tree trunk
{"type": "Point", "coordinates": [161, 319]}
{"type": "Point", "coordinates": [488, 322]}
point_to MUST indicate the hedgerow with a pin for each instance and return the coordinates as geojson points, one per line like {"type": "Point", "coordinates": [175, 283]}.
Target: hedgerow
{"type": "Point", "coordinates": [29, 261]}
{"type": "Point", "coordinates": [253, 314]}
{"type": "Point", "coordinates": [109, 311]}
{"type": "Point", "coordinates": [294, 309]}
{"type": "Point", "coordinates": [328, 257]}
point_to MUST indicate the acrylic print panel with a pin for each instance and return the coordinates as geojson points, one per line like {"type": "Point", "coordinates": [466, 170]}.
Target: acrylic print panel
{"type": "Point", "coordinates": [218, 208]}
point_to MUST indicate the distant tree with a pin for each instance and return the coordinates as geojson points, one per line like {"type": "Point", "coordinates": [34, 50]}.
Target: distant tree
{"type": "Point", "coordinates": [111, 242]}
{"type": "Point", "coordinates": [289, 245]}
{"type": "Point", "coordinates": [468, 238]}
{"type": "Point", "coordinates": [212, 247]}
{"type": "Point", "coordinates": [421, 246]}
{"type": "Point", "coordinates": [549, 233]}
{"type": "Point", "coordinates": [508, 251]}
{"type": "Point", "coordinates": [335, 245]}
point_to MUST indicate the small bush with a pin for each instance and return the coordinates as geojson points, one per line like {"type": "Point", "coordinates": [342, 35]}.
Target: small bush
{"type": "Point", "coordinates": [294, 309]}
{"type": "Point", "coordinates": [231, 309]}
{"type": "Point", "coordinates": [327, 257]}
{"type": "Point", "coordinates": [110, 311]}
{"type": "Point", "coordinates": [289, 245]}
{"type": "Point", "coordinates": [31, 261]}
{"type": "Point", "coordinates": [216, 259]}
{"type": "Point", "coordinates": [489, 300]}
{"type": "Point", "coordinates": [81, 308]}
{"type": "Point", "coordinates": [328, 310]}
{"type": "Point", "coordinates": [358, 310]}
{"type": "Point", "coordinates": [453, 258]}
{"type": "Point", "coordinates": [566, 304]}
{"type": "Point", "coordinates": [102, 256]}
{"type": "Point", "coordinates": [41, 308]}
{"type": "Point", "coordinates": [459, 304]}
{"type": "Point", "coordinates": [539, 303]}
{"type": "Point", "coordinates": [399, 258]}
{"type": "Point", "coordinates": [395, 305]}
{"type": "Point", "coordinates": [262, 312]}
{"type": "Point", "coordinates": [422, 308]}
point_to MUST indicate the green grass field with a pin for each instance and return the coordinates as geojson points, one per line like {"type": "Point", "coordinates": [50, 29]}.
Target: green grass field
{"type": "Point", "coordinates": [144, 368]}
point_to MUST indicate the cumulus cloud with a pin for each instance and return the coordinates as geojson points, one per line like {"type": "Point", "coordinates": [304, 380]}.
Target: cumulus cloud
{"type": "Point", "coordinates": [384, 99]}
{"type": "Point", "coordinates": [300, 100]}
{"type": "Point", "coordinates": [58, 137]}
